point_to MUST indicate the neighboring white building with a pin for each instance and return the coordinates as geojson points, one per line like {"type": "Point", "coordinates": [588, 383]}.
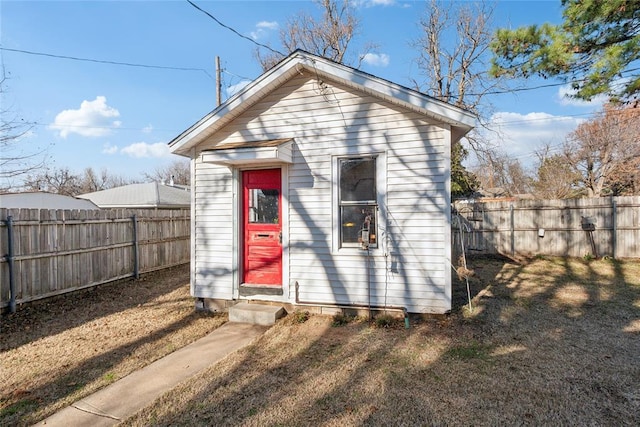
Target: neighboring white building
{"type": "Point", "coordinates": [148, 195]}
{"type": "Point", "coordinates": [321, 184]}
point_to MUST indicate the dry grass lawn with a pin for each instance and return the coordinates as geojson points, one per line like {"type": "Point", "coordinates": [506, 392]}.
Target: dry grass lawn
{"type": "Point", "coordinates": [548, 342]}
{"type": "Point", "coordinates": [59, 350]}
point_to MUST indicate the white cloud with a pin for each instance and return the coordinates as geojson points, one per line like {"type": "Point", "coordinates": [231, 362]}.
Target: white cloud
{"type": "Point", "coordinates": [376, 59]}
{"type": "Point", "coordinates": [372, 3]}
{"type": "Point", "coordinates": [263, 28]}
{"type": "Point", "coordinates": [564, 97]}
{"type": "Point", "coordinates": [93, 119]}
{"type": "Point", "coordinates": [109, 149]}
{"type": "Point", "coordinates": [143, 149]}
{"type": "Point", "coordinates": [233, 89]}
{"type": "Point", "coordinates": [269, 25]}
{"type": "Point", "coordinates": [520, 135]}
{"type": "Point", "coordinates": [147, 129]}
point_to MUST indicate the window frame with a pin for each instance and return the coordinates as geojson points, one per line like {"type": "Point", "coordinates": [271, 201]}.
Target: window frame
{"type": "Point", "coordinates": [379, 184]}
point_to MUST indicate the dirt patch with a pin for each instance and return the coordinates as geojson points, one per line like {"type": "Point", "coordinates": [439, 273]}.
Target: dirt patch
{"type": "Point", "coordinates": [549, 341]}
{"type": "Point", "coordinates": [59, 350]}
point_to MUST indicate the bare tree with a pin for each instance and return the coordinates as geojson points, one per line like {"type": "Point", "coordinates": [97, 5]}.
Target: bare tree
{"type": "Point", "coordinates": [555, 178]}
{"type": "Point", "coordinates": [328, 37]}
{"type": "Point", "coordinates": [454, 57]}
{"type": "Point", "coordinates": [606, 149]}
{"type": "Point", "coordinates": [15, 158]}
{"type": "Point", "coordinates": [456, 64]}
{"type": "Point", "coordinates": [64, 181]}
{"type": "Point", "coordinates": [90, 181]}
{"type": "Point", "coordinates": [57, 181]}
{"type": "Point", "coordinates": [179, 171]}
{"type": "Point", "coordinates": [499, 171]}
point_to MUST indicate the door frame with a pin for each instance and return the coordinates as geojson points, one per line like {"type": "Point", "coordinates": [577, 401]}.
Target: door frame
{"type": "Point", "coordinates": [238, 234]}
{"type": "Point", "coordinates": [262, 239]}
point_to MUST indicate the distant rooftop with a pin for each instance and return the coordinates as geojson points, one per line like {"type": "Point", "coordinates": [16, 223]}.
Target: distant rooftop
{"type": "Point", "coordinates": [147, 196]}
{"type": "Point", "coordinates": [41, 200]}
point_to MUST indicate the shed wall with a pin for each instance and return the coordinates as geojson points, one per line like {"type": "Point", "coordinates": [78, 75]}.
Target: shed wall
{"type": "Point", "coordinates": [410, 269]}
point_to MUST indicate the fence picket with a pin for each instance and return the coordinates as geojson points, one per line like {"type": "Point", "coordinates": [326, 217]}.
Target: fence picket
{"type": "Point", "coordinates": [58, 251]}
{"type": "Point", "coordinates": [564, 225]}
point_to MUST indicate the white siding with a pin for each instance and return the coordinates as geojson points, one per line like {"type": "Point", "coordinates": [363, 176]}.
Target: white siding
{"type": "Point", "coordinates": [213, 234]}
{"type": "Point", "coordinates": [410, 269]}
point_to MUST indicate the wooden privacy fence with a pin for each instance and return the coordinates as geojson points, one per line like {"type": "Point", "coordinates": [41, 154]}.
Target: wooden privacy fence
{"type": "Point", "coordinates": [575, 227]}
{"type": "Point", "coordinates": [50, 252]}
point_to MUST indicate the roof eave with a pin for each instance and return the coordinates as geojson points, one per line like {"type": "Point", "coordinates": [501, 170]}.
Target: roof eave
{"type": "Point", "coordinates": [299, 62]}
{"type": "Point", "coordinates": [231, 108]}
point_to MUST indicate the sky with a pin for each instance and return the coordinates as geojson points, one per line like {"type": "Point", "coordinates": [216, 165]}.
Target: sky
{"type": "Point", "coordinates": [91, 112]}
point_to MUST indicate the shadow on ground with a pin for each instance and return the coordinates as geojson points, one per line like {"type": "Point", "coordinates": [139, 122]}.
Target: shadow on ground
{"type": "Point", "coordinates": [50, 316]}
{"type": "Point", "coordinates": [57, 351]}
{"type": "Point", "coordinates": [547, 341]}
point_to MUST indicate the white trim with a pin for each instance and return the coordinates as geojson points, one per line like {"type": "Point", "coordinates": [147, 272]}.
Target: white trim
{"type": "Point", "coordinates": [236, 244]}
{"type": "Point", "coordinates": [286, 289]}
{"type": "Point", "coordinates": [381, 190]}
{"type": "Point", "coordinates": [243, 156]}
{"type": "Point", "coordinates": [303, 63]}
{"type": "Point", "coordinates": [389, 91]}
{"type": "Point", "coordinates": [447, 232]}
{"type": "Point", "coordinates": [238, 235]}
{"type": "Point", "coordinates": [193, 246]}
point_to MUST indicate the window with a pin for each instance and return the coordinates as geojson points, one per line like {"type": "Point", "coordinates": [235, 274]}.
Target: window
{"type": "Point", "coordinates": [357, 202]}
{"type": "Point", "coordinates": [263, 206]}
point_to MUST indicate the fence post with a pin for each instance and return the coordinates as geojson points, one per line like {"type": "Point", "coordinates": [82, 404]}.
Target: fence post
{"type": "Point", "coordinates": [136, 248]}
{"type": "Point", "coordinates": [10, 260]}
{"type": "Point", "coordinates": [513, 233]}
{"type": "Point", "coordinates": [614, 219]}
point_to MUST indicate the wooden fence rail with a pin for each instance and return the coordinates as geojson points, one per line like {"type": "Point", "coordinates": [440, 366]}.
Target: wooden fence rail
{"type": "Point", "coordinates": [576, 227]}
{"type": "Point", "coordinates": [49, 252]}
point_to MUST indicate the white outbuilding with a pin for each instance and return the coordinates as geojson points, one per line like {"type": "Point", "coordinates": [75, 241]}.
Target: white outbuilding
{"type": "Point", "coordinates": [319, 184]}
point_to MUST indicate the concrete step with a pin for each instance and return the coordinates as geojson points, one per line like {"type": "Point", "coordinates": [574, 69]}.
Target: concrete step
{"type": "Point", "coordinates": [256, 314]}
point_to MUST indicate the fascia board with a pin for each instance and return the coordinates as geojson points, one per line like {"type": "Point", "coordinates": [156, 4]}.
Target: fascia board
{"type": "Point", "coordinates": [298, 63]}
{"type": "Point", "coordinates": [235, 105]}
{"type": "Point", "coordinates": [392, 92]}
{"type": "Point", "coordinates": [250, 155]}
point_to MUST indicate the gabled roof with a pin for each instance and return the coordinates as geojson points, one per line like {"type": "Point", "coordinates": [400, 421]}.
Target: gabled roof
{"type": "Point", "coordinates": [42, 200]}
{"type": "Point", "coordinates": [147, 195]}
{"type": "Point", "coordinates": [300, 62]}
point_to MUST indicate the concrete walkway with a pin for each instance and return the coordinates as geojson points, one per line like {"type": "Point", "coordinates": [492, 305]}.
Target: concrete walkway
{"type": "Point", "coordinates": [139, 389]}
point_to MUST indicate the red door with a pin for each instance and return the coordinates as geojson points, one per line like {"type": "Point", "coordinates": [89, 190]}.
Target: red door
{"type": "Point", "coordinates": [262, 227]}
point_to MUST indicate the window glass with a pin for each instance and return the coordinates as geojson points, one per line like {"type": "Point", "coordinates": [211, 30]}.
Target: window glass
{"type": "Point", "coordinates": [357, 200]}
{"type": "Point", "coordinates": [357, 179]}
{"type": "Point", "coordinates": [263, 206]}
{"type": "Point", "coordinates": [355, 220]}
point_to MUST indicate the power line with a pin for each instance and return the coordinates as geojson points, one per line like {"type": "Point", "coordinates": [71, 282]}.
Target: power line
{"type": "Point", "coordinates": [233, 30]}
{"type": "Point", "coordinates": [542, 119]}
{"type": "Point", "coordinates": [101, 61]}
{"type": "Point", "coordinates": [224, 70]}
{"type": "Point", "coordinates": [524, 89]}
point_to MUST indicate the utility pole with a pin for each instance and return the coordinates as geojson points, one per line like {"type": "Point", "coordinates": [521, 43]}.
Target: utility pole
{"type": "Point", "coordinates": [218, 83]}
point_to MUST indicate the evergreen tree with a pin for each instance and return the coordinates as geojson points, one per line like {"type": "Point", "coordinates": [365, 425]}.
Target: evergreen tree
{"type": "Point", "coordinates": [594, 48]}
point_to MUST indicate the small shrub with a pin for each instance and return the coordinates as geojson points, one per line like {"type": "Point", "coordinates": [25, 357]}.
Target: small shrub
{"type": "Point", "coordinates": [300, 316]}
{"type": "Point", "coordinates": [341, 319]}
{"type": "Point", "coordinates": [384, 321]}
